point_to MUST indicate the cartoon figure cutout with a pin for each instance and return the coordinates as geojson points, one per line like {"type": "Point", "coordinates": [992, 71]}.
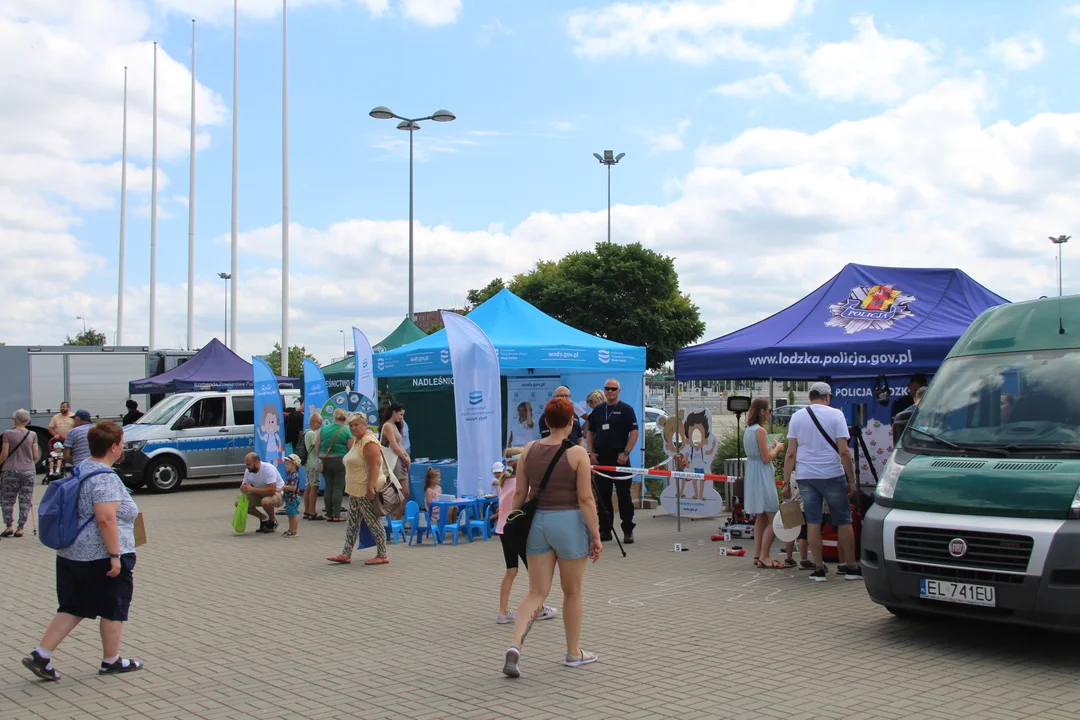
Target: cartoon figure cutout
{"type": "Point", "coordinates": [270, 433]}
{"type": "Point", "coordinates": [690, 443]}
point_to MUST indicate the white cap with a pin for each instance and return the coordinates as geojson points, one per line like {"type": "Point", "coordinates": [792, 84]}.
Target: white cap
{"type": "Point", "coordinates": [821, 388]}
{"type": "Point", "coordinates": [498, 467]}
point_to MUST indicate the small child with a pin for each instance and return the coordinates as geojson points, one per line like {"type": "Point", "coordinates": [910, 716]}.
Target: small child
{"type": "Point", "coordinates": [506, 482]}
{"type": "Point", "coordinates": [432, 491]}
{"type": "Point", "coordinates": [804, 562]}
{"type": "Point", "coordinates": [291, 494]}
{"type": "Point", "coordinates": [56, 462]}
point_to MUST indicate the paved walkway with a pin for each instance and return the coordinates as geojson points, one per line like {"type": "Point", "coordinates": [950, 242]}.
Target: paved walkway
{"type": "Point", "coordinates": [261, 627]}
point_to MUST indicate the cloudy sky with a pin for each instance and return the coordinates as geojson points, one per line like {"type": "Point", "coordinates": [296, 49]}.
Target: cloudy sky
{"type": "Point", "coordinates": [767, 142]}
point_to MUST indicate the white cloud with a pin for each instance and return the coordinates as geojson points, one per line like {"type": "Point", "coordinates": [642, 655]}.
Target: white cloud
{"type": "Point", "coordinates": [490, 30]}
{"type": "Point", "coordinates": [758, 86]}
{"type": "Point", "coordinates": [1018, 53]}
{"type": "Point", "coordinates": [1074, 37]}
{"type": "Point", "coordinates": [669, 141]}
{"type": "Point", "coordinates": [431, 12]}
{"type": "Point", "coordinates": [869, 67]}
{"type": "Point", "coordinates": [681, 30]}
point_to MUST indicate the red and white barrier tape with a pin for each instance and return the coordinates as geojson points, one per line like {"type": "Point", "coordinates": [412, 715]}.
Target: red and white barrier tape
{"type": "Point", "coordinates": [654, 472]}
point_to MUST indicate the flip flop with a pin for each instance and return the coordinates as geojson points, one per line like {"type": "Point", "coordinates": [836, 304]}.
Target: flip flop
{"type": "Point", "coordinates": [18, 533]}
{"type": "Point", "coordinates": [377, 561]}
{"type": "Point", "coordinates": [757, 562]}
{"type": "Point", "coordinates": [340, 559]}
{"type": "Point", "coordinates": [585, 659]}
{"type": "Point", "coordinates": [7, 533]}
{"type": "Point", "coordinates": [771, 564]}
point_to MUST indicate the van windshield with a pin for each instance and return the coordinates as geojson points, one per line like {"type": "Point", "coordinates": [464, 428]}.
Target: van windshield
{"type": "Point", "coordinates": [163, 412]}
{"type": "Point", "coordinates": [1025, 402]}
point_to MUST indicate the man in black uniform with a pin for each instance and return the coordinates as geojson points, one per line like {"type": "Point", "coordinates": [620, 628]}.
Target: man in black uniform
{"type": "Point", "coordinates": [917, 381]}
{"type": "Point", "coordinates": [576, 435]}
{"type": "Point", "coordinates": [133, 412]}
{"type": "Point", "coordinates": [613, 433]}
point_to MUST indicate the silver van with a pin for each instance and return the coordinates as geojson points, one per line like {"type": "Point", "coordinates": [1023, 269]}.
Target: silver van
{"type": "Point", "coordinates": [192, 435]}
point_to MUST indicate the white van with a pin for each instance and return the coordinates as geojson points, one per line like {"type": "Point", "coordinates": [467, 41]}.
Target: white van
{"type": "Point", "coordinates": [192, 435]}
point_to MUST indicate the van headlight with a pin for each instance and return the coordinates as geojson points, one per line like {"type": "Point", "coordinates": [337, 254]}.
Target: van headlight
{"type": "Point", "coordinates": [1074, 509]}
{"type": "Point", "coordinates": [134, 445]}
{"type": "Point", "coordinates": [887, 484]}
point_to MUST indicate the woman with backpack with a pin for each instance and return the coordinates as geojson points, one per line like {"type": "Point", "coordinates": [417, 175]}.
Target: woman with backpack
{"type": "Point", "coordinates": [94, 571]}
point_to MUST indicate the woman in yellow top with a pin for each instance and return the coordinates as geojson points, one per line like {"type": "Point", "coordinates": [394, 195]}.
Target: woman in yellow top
{"type": "Point", "coordinates": [363, 461]}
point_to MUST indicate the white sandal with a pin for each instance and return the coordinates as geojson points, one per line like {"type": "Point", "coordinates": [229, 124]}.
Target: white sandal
{"type": "Point", "coordinates": [585, 659]}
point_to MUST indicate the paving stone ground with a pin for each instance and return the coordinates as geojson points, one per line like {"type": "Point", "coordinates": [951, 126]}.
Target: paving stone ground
{"type": "Point", "coordinates": [257, 626]}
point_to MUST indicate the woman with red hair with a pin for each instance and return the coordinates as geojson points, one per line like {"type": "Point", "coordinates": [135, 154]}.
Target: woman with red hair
{"type": "Point", "coordinates": [565, 531]}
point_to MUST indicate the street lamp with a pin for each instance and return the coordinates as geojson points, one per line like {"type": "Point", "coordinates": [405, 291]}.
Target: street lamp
{"type": "Point", "coordinates": [1059, 241]}
{"type": "Point", "coordinates": [609, 158]}
{"type": "Point", "coordinates": [226, 277]}
{"type": "Point", "coordinates": [344, 350]}
{"type": "Point", "coordinates": [411, 125]}
{"type": "Point", "coordinates": [80, 317]}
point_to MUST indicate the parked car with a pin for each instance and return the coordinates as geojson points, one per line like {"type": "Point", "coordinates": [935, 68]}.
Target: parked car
{"type": "Point", "coordinates": [782, 415]}
{"type": "Point", "coordinates": [191, 435]}
{"type": "Point", "coordinates": [651, 416]}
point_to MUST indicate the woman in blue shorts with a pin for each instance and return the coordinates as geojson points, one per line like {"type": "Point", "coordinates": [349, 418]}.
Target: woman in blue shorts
{"type": "Point", "coordinates": [565, 531]}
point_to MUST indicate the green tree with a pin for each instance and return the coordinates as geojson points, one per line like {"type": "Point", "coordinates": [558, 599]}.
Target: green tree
{"type": "Point", "coordinates": [297, 353]}
{"type": "Point", "coordinates": [791, 397]}
{"type": "Point", "coordinates": [87, 337]}
{"type": "Point", "coordinates": [625, 293]}
{"type": "Point", "coordinates": [479, 297]}
{"type": "Point", "coordinates": [434, 329]}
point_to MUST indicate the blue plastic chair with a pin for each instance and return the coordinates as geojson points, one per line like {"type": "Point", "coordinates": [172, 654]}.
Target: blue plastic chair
{"type": "Point", "coordinates": [395, 528]}
{"type": "Point", "coordinates": [482, 526]}
{"type": "Point", "coordinates": [419, 523]}
{"type": "Point", "coordinates": [454, 528]}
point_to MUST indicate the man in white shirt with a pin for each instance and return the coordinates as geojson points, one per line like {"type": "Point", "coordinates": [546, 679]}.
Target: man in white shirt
{"type": "Point", "coordinates": [818, 443]}
{"type": "Point", "coordinates": [263, 485]}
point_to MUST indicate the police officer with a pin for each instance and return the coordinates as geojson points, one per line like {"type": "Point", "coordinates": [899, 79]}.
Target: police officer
{"type": "Point", "coordinates": [612, 435]}
{"type": "Point", "coordinates": [576, 435]}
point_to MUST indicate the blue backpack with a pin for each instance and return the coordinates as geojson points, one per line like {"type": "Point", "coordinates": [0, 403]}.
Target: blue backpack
{"type": "Point", "coordinates": [58, 512]}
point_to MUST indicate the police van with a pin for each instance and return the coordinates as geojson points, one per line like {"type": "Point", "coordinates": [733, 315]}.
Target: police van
{"type": "Point", "coordinates": [192, 435]}
{"type": "Point", "coordinates": [977, 513]}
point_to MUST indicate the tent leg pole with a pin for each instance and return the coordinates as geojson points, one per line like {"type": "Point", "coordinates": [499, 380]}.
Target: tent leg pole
{"type": "Point", "coordinates": [675, 463]}
{"type": "Point", "coordinates": [772, 402]}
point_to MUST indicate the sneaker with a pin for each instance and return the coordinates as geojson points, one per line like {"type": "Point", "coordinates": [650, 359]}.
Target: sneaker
{"type": "Point", "coordinates": [40, 666]}
{"type": "Point", "coordinates": [506, 619]}
{"type": "Point", "coordinates": [547, 613]}
{"type": "Point", "coordinates": [585, 659]}
{"type": "Point", "coordinates": [122, 665]}
{"type": "Point", "coordinates": [806, 565]}
{"type": "Point", "coordinates": [510, 665]}
{"type": "Point", "coordinates": [628, 538]}
{"type": "Point", "coordinates": [820, 574]}
{"type": "Point", "coordinates": [852, 572]}
{"type": "Point", "coordinates": [264, 527]}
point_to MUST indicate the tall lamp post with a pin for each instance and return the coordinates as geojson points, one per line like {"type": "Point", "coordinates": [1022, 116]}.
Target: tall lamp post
{"type": "Point", "coordinates": [344, 350]}
{"type": "Point", "coordinates": [1059, 241]}
{"type": "Point", "coordinates": [80, 317]}
{"type": "Point", "coordinates": [226, 277]}
{"type": "Point", "coordinates": [411, 125]}
{"type": "Point", "coordinates": [609, 158]}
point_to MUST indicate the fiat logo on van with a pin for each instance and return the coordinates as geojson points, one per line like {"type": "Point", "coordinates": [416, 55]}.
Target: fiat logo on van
{"type": "Point", "coordinates": [958, 547]}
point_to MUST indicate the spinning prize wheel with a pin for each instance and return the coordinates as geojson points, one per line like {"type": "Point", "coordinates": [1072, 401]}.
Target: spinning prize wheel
{"type": "Point", "coordinates": [351, 402]}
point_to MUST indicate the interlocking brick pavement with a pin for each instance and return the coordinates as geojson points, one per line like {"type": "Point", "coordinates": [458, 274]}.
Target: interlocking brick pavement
{"type": "Point", "coordinates": [261, 627]}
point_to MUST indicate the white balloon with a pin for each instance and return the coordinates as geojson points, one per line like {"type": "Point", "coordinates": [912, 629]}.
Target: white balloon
{"type": "Point", "coordinates": [783, 534]}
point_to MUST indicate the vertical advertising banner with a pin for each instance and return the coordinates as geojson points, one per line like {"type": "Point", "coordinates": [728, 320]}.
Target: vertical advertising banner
{"type": "Point", "coordinates": [477, 402]}
{"type": "Point", "coordinates": [316, 393]}
{"type": "Point", "coordinates": [364, 378]}
{"type": "Point", "coordinates": [525, 401]}
{"type": "Point", "coordinates": [269, 429]}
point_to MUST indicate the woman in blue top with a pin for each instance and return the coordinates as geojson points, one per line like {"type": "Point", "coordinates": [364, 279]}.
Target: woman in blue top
{"type": "Point", "coordinates": [94, 573]}
{"type": "Point", "coordinates": [759, 483]}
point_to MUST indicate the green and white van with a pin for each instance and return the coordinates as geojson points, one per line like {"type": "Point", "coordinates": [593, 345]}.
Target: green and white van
{"type": "Point", "coordinates": [978, 510]}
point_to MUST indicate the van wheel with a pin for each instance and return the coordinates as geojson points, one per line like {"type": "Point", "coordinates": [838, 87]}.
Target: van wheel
{"type": "Point", "coordinates": [164, 475]}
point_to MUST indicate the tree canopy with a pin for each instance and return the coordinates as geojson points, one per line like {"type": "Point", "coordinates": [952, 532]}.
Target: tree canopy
{"type": "Point", "coordinates": [87, 337]}
{"type": "Point", "coordinates": [625, 293]}
{"type": "Point", "coordinates": [297, 353]}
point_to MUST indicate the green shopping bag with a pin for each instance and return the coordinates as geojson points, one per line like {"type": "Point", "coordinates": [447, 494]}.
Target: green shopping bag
{"type": "Point", "coordinates": [239, 518]}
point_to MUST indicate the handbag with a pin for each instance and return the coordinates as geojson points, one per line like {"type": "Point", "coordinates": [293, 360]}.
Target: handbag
{"type": "Point", "coordinates": [319, 465]}
{"type": "Point", "coordinates": [389, 497]}
{"type": "Point", "coordinates": [239, 517]}
{"type": "Point", "coordinates": [791, 514]}
{"type": "Point", "coordinates": [519, 522]}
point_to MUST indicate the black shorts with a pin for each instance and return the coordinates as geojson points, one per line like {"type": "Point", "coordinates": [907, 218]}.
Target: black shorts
{"type": "Point", "coordinates": [510, 556]}
{"type": "Point", "coordinates": [84, 589]}
{"type": "Point", "coordinates": [802, 532]}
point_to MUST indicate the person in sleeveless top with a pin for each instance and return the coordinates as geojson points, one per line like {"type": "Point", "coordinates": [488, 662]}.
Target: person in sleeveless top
{"type": "Point", "coordinates": [363, 476]}
{"type": "Point", "coordinates": [759, 483]}
{"type": "Point", "coordinates": [565, 531]}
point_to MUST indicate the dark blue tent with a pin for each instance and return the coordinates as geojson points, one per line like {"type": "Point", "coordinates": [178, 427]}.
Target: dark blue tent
{"type": "Point", "coordinates": [215, 366]}
{"type": "Point", "coordinates": [865, 321]}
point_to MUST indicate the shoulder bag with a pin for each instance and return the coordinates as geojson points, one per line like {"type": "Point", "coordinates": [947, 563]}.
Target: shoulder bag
{"type": "Point", "coordinates": [323, 456]}
{"type": "Point", "coordinates": [518, 523]}
{"type": "Point", "coordinates": [832, 443]}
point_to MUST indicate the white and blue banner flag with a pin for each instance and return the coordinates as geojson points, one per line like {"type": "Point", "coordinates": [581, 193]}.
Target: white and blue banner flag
{"type": "Point", "coordinates": [269, 428]}
{"type": "Point", "coordinates": [364, 377]}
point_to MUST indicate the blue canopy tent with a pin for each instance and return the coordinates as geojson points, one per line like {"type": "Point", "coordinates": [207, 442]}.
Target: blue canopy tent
{"type": "Point", "coordinates": [215, 366]}
{"type": "Point", "coordinates": [865, 322]}
{"type": "Point", "coordinates": [530, 343]}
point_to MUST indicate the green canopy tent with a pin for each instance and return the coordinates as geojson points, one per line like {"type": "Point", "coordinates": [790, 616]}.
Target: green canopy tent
{"type": "Point", "coordinates": [340, 375]}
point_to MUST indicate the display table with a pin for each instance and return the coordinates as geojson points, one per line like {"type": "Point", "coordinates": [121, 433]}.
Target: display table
{"type": "Point", "coordinates": [416, 478]}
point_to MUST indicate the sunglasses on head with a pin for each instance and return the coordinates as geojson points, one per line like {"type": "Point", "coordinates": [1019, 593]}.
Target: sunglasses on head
{"type": "Point", "coordinates": [611, 389]}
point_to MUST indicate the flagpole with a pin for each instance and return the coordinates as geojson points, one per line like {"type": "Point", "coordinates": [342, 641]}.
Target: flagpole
{"type": "Point", "coordinates": [284, 190]}
{"type": "Point", "coordinates": [153, 218]}
{"type": "Point", "coordinates": [123, 226]}
{"type": "Point", "coordinates": [191, 210]}
{"type": "Point", "coordinates": [235, 165]}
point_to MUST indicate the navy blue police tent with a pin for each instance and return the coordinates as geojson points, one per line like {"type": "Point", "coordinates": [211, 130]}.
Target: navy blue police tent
{"type": "Point", "coordinates": [864, 322]}
{"type": "Point", "coordinates": [213, 367]}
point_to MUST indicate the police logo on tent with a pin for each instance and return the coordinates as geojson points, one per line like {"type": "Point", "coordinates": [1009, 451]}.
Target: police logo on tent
{"type": "Point", "coordinates": [876, 307]}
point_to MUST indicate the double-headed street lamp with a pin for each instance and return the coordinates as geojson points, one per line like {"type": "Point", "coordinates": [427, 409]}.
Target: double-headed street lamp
{"type": "Point", "coordinates": [411, 125]}
{"type": "Point", "coordinates": [609, 158]}
{"type": "Point", "coordinates": [1059, 241]}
